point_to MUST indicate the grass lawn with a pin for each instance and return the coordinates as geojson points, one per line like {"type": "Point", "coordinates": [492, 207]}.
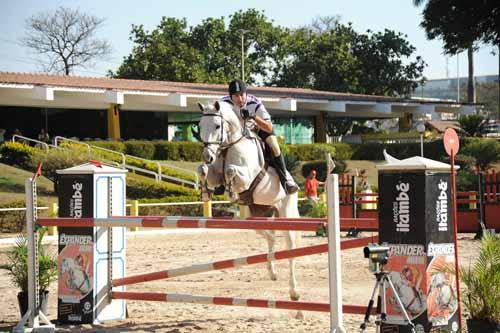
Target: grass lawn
{"type": "Point", "coordinates": [12, 185]}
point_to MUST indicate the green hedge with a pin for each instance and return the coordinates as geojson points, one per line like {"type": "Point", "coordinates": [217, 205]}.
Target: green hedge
{"type": "Point", "coordinates": [15, 221]}
{"type": "Point", "coordinates": [17, 154]}
{"type": "Point", "coordinates": [178, 151]}
{"type": "Point", "coordinates": [309, 152]}
{"type": "Point", "coordinates": [186, 210]}
{"type": "Point", "coordinates": [192, 151]}
{"type": "Point", "coordinates": [149, 189]}
{"type": "Point", "coordinates": [143, 149]}
{"type": "Point", "coordinates": [113, 145]}
{"type": "Point", "coordinates": [320, 167]}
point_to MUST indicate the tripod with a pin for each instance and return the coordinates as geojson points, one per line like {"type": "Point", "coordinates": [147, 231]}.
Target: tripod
{"type": "Point", "coordinates": [383, 279]}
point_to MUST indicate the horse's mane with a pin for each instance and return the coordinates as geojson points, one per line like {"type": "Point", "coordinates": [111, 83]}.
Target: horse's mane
{"type": "Point", "coordinates": [228, 114]}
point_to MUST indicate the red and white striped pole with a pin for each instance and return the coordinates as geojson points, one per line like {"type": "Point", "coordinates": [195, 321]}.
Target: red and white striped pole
{"type": "Point", "coordinates": [175, 222]}
{"type": "Point", "coordinates": [238, 262]}
{"type": "Point", "coordinates": [233, 301]}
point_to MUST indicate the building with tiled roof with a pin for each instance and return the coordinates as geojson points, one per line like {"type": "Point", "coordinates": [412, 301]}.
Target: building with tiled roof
{"type": "Point", "coordinates": [76, 106]}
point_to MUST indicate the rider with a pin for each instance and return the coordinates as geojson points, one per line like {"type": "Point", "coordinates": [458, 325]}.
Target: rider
{"type": "Point", "coordinates": [247, 107]}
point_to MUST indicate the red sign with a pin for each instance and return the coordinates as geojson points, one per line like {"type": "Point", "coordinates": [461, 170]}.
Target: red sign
{"type": "Point", "coordinates": [451, 142]}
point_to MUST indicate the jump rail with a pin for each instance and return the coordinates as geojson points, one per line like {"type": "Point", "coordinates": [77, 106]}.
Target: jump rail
{"type": "Point", "coordinates": [180, 222]}
{"type": "Point", "coordinates": [235, 301]}
{"type": "Point", "coordinates": [239, 262]}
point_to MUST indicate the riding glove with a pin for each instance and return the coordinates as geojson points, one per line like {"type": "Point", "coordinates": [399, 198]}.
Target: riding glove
{"type": "Point", "coordinates": [247, 114]}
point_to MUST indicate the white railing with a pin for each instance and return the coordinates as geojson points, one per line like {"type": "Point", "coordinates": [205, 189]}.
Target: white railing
{"type": "Point", "coordinates": [17, 209]}
{"type": "Point", "coordinates": [24, 138]}
{"type": "Point", "coordinates": [158, 175]}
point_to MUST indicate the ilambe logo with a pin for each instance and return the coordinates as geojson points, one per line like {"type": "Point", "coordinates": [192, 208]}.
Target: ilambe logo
{"type": "Point", "coordinates": [75, 204]}
{"type": "Point", "coordinates": [401, 208]}
{"type": "Point", "coordinates": [442, 206]}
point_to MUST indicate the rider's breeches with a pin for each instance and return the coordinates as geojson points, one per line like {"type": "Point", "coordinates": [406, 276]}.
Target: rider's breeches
{"type": "Point", "coordinates": [272, 142]}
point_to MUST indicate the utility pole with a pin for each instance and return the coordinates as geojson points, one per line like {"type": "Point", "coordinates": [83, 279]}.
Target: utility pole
{"type": "Point", "coordinates": [242, 32]}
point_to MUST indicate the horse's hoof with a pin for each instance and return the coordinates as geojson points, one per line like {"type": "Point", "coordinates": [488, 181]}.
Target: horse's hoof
{"type": "Point", "coordinates": [273, 277]}
{"type": "Point", "coordinates": [299, 315]}
{"type": "Point", "coordinates": [295, 297]}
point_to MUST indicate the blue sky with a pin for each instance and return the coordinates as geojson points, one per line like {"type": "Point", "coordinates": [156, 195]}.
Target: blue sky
{"type": "Point", "coordinates": [399, 15]}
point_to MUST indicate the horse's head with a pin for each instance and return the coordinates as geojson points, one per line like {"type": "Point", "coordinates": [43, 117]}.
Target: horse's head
{"type": "Point", "coordinates": [218, 125]}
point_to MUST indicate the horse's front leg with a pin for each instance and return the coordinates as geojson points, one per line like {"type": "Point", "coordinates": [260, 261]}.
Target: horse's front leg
{"type": "Point", "coordinates": [290, 244]}
{"type": "Point", "coordinates": [271, 241]}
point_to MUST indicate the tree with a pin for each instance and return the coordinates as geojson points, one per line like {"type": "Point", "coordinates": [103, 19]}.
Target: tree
{"type": "Point", "coordinates": [209, 52]}
{"type": "Point", "coordinates": [66, 39]}
{"type": "Point", "coordinates": [162, 54]}
{"type": "Point", "coordinates": [332, 56]}
{"type": "Point", "coordinates": [472, 124]}
{"type": "Point", "coordinates": [455, 23]}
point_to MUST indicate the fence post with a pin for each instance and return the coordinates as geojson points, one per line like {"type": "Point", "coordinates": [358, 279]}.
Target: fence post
{"type": "Point", "coordinates": [53, 211]}
{"type": "Point", "coordinates": [134, 211]}
{"type": "Point", "coordinates": [353, 197]}
{"type": "Point", "coordinates": [472, 201]}
{"type": "Point", "coordinates": [334, 260]}
{"type": "Point", "coordinates": [207, 208]}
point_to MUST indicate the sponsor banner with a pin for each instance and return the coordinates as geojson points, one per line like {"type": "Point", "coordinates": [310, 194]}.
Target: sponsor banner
{"type": "Point", "coordinates": [415, 219]}
{"type": "Point", "coordinates": [439, 209]}
{"type": "Point", "coordinates": [408, 275]}
{"type": "Point", "coordinates": [76, 250]}
{"type": "Point", "coordinates": [402, 208]}
{"type": "Point", "coordinates": [442, 301]}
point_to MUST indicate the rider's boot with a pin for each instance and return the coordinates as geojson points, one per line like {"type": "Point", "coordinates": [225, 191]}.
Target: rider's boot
{"type": "Point", "coordinates": [288, 183]}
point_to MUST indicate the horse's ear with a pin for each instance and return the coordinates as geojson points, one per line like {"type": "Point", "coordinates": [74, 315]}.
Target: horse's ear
{"type": "Point", "coordinates": [202, 108]}
{"type": "Point", "coordinates": [217, 105]}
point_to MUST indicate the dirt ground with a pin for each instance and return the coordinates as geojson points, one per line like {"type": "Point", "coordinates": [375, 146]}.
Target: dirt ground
{"type": "Point", "coordinates": [153, 252]}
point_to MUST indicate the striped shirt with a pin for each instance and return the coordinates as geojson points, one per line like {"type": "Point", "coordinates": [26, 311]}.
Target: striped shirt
{"type": "Point", "coordinates": [253, 104]}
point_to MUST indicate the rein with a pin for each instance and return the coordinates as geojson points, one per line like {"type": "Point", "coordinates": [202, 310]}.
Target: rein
{"type": "Point", "coordinates": [222, 146]}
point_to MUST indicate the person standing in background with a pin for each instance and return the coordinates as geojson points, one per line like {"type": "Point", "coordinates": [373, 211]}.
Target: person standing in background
{"type": "Point", "coordinates": [311, 187]}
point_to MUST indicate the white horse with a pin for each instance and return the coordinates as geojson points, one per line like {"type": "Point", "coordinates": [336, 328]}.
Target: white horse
{"type": "Point", "coordinates": [76, 277]}
{"type": "Point", "coordinates": [413, 299]}
{"type": "Point", "coordinates": [233, 157]}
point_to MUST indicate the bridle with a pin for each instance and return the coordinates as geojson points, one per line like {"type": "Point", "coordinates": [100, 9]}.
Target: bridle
{"type": "Point", "coordinates": [221, 145]}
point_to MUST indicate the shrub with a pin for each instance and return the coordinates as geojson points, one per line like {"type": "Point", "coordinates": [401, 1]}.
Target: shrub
{"type": "Point", "coordinates": [190, 151]}
{"type": "Point", "coordinates": [466, 181]}
{"type": "Point", "coordinates": [149, 189]}
{"type": "Point", "coordinates": [178, 151]}
{"type": "Point", "coordinates": [186, 210]}
{"type": "Point", "coordinates": [113, 145]}
{"type": "Point", "coordinates": [143, 149]}
{"type": "Point", "coordinates": [320, 167]}
{"type": "Point", "coordinates": [466, 162]}
{"type": "Point", "coordinates": [471, 124]}
{"type": "Point", "coordinates": [309, 152]}
{"type": "Point", "coordinates": [16, 154]}
{"type": "Point", "coordinates": [56, 159]}
{"type": "Point", "coordinates": [343, 151]}
{"type": "Point", "coordinates": [485, 151]}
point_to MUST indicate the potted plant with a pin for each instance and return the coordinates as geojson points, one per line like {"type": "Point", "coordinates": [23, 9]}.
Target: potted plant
{"type": "Point", "coordinates": [17, 267]}
{"type": "Point", "coordinates": [482, 279]}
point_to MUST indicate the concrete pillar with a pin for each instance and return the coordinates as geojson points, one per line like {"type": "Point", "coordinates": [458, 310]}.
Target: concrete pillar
{"type": "Point", "coordinates": [114, 121]}
{"type": "Point", "coordinates": [405, 122]}
{"type": "Point", "coordinates": [320, 127]}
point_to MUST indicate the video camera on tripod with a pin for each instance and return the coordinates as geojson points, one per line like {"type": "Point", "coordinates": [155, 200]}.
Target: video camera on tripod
{"type": "Point", "coordinates": [378, 255]}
